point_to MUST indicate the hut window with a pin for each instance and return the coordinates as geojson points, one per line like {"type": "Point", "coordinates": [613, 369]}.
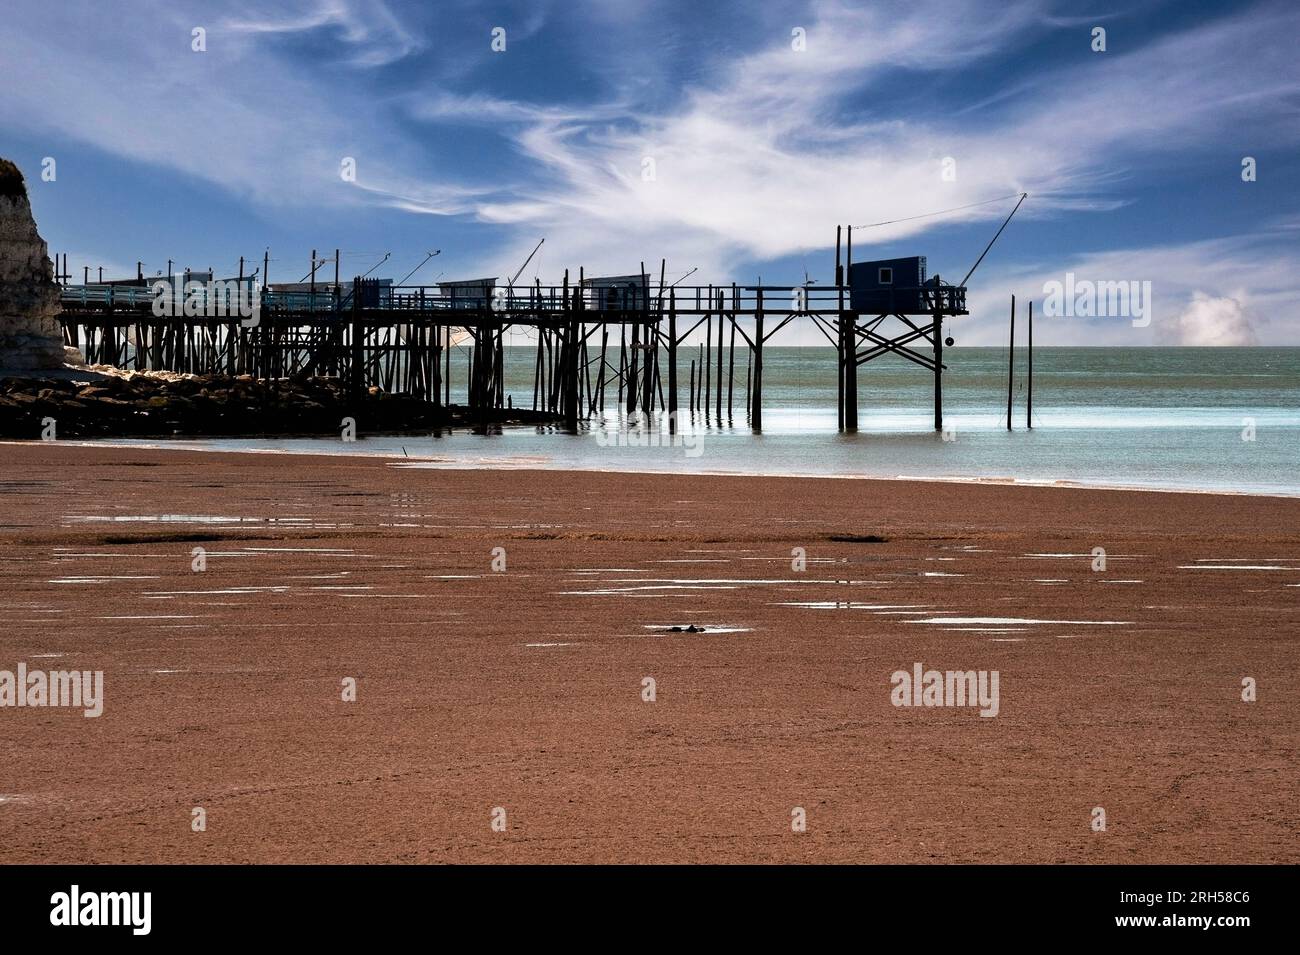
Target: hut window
{"type": "Point", "coordinates": [886, 276]}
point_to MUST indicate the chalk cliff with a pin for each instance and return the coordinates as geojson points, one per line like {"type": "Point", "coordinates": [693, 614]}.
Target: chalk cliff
{"type": "Point", "coordinates": [30, 336]}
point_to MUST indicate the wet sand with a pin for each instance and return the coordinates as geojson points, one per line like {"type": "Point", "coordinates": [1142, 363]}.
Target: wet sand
{"type": "Point", "coordinates": [522, 689]}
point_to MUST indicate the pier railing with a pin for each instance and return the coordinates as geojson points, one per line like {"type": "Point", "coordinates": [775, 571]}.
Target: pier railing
{"type": "Point", "coordinates": [401, 338]}
{"type": "Point", "coordinates": [638, 304]}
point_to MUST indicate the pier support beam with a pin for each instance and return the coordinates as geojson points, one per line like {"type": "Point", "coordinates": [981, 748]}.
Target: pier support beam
{"type": "Point", "coordinates": [356, 362]}
{"type": "Point", "coordinates": [1011, 360]}
{"type": "Point", "coordinates": [938, 369]}
{"type": "Point", "coordinates": [756, 401]}
{"type": "Point", "coordinates": [849, 339]}
{"type": "Point", "coordinates": [672, 361]}
{"type": "Point", "coordinates": [570, 371]}
{"type": "Point", "coordinates": [633, 360]}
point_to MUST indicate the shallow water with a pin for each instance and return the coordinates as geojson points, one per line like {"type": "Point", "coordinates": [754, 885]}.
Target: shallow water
{"type": "Point", "coordinates": [1223, 419]}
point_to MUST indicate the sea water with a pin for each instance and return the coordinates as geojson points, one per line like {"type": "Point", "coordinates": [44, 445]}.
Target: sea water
{"type": "Point", "coordinates": [1223, 419]}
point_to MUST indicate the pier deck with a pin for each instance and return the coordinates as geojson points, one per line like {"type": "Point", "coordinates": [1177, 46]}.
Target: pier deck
{"type": "Point", "coordinates": [399, 338]}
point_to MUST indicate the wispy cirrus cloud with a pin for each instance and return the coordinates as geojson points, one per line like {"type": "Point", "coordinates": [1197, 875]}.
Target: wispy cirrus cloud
{"type": "Point", "coordinates": [757, 149]}
{"type": "Point", "coordinates": [369, 30]}
{"type": "Point", "coordinates": [756, 161]}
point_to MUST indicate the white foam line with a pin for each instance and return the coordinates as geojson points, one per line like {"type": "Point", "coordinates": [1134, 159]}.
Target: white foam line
{"type": "Point", "coordinates": [724, 580]}
{"type": "Point", "coordinates": [299, 550]}
{"type": "Point", "coordinates": [630, 590]}
{"type": "Point", "coordinates": [1239, 560]}
{"type": "Point", "coordinates": [201, 593]}
{"type": "Point", "coordinates": [849, 605]}
{"type": "Point", "coordinates": [156, 616]}
{"type": "Point", "coordinates": [102, 580]}
{"type": "Point", "coordinates": [693, 560]}
{"type": "Point", "coordinates": [1079, 556]}
{"type": "Point", "coordinates": [608, 570]}
{"type": "Point", "coordinates": [1233, 567]}
{"type": "Point", "coordinates": [390, 459]}
{"type": "Point", "coordinates": [1025, 620]}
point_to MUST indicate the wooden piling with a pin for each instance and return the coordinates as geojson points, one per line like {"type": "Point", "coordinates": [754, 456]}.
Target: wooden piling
{"type": "Point", "coordinates": [1029, 377]}
{"type": "Point", "coordinates": [708, 361]}
{"type": "Point", "coordinates": [356, 369]}
{"type": "Point", "coordinates": [731, 365]}
{"type": "Point", "coordinates": [849, 337]}
{"type": "Point", "coordinates": [756, 402]}
{"type": "Point", "coordinates": [718, 399]}
{"type": "Point", "coordinates": [672, 361]}
{"type": "Point", "coordinates": [1011, 360]}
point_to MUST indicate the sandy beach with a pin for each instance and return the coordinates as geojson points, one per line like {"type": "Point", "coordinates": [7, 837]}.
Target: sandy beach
{"type": "Point", "coordinates": [522, 689]}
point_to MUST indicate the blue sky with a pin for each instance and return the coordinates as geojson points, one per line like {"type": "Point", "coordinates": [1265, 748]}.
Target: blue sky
{"type": "Point", "coordinates": [1132, 156]}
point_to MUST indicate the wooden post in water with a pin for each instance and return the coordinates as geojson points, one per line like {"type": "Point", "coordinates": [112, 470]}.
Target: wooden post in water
{"type": "Point", "coordinates": [1029, 378]}
{"type": "Point", "coordinates": [708, 362]}
{"type": "Point", "coordinates": [938, 354]}
{"type": "Point", "coordinates": [650, 368]}
{"type": "Point", "coordinates": [718, 401]}
{"type": "Point", "coordinates": [672, 361]}
{"type": "Point", "coordinates": [756, 403]}
{"type": "Point", "coordinates": [840, 349]}
{"type": "Point", "coordinates": [356, 369]}
{"type": "Point", "coordinates": [622, 360]}
{"type": "Point", "coordinates": [571, 364]}
{"type": "Point", "coordinates": [632, 363]}
{"type": "Point", "coordinates": [604, 364]}
{"type": "Point", "coordinates": [731, 362]}
{"type": "Point", "coordinates": [849, 324]}
{"type": "Point", "coordinates": [1011, 360]}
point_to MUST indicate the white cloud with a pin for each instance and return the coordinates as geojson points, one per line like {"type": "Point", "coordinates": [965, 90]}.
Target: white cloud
{"type": "Point", "coordinates": [1234, 291]}
{"type": "Point", "coordinates": [373, 33]}
{"type": "Point", "coordinates": [756, 156]}
{"type": "Point", "coordinates": [1212, 321]}
{"type": "Point", "coordinates": [760, 159]}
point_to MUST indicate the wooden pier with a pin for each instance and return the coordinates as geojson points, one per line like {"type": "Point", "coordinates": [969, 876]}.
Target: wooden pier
{"type": "Point", "coordinates": [591, 339]}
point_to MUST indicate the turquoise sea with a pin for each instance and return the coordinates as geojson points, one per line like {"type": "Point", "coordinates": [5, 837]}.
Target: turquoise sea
{"type": "Point", "coordinates": [1225, 419]}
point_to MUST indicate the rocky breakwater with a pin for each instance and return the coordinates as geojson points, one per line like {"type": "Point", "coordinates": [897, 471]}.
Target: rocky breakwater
{"type": "Point", "coordinates": [30, 336]}
{"type": "Point", "coordinates": [162, 404]}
